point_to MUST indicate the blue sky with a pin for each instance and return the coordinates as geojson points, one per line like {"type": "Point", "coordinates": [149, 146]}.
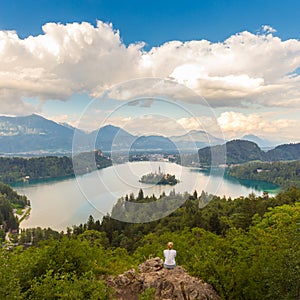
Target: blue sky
{"type": "Point", "coordinates": [156, 21]}
{"type": "Point", "coordinates": [243, 57]}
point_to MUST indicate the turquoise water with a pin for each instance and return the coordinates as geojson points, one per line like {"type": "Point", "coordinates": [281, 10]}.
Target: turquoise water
{"type": "Point", "coordinates": [256, 185]}
{"type": "Point", "coordinates": [62, 203]}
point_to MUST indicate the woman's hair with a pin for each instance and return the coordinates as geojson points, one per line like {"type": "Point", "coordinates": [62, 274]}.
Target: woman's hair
{"type": "Point", "coordinates": [170, 244]}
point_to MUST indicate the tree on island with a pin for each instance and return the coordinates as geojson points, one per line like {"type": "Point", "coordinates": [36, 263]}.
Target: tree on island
{"type": "Point", "coordinates": [159, 178]}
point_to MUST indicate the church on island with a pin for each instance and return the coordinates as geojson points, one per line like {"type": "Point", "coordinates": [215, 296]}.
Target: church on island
{"type": "Point", "coordinates": [159, 178]}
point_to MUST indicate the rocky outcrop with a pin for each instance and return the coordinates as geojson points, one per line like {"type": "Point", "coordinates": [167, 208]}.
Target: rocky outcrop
{"type": "Point", "coordinates": [169, 284]}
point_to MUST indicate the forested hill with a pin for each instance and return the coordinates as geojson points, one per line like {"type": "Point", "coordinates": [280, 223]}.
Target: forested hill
{"type": "Point", "coordinates": [9, 200]}
{"type": "Point", "coordinates": [284, 152]}
{"type": "Point", "coordinates": [241, 151]}
{"type": "Point", "coordinates": [285, 174]}
{"type": "Point", "coordinates": [15, 169]}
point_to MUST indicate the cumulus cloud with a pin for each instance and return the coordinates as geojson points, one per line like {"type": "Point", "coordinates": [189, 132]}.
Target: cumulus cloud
{"type": "Point", "coordinates": [244, 68]}
{"type": "Point", "coordinates": [74, 58]}
{"type": "Point", "coordinates": [65, 60]}
{"type": "Point", "coordinates": [202, 123]}
{"type": "Point", "coordinates": [233, 123]}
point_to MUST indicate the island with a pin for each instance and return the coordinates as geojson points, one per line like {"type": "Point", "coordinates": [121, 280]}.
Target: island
{"type": "Point", "coordinates": [159, 178]}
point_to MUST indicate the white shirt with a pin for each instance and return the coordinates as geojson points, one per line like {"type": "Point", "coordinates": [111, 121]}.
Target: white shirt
{"type": "Point", "coordinates": [170, 257]}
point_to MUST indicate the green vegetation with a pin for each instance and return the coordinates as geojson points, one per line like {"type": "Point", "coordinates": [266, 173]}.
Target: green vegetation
{"type": "Point", "coordinates": [284, 174]}
{"type": "Point", "coordinates": [25, 215]}
{"type": "Point", "coordinates": [159, 179]}
{"type": "Point", "coordinates": [247, 248]}
{"type": "Point", "coordinates": [210, 212]}
{"type": "Point", "coordinates": [16, 169]}
{"type": "Point", "coordinates": [90, 161]}
{"type": "Point", "coordinates": [285, 152]}
{"type": "Point", "coordinates": [233, 152]}
{"type": "Point", "coordinates": [148, 294]}
{"type": "Point", "coordinates": [240, 151]}
{"type": "Point", "coordinates": [9, 200]}
{"type": "Point", "coordinates": [63, 268]}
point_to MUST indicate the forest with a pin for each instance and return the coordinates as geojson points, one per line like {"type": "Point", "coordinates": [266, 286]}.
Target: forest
{"type": "Point", "coordinates": [284, 174]}
{"type": "Point", "coordinates": [242, 151]}
{"type": "Point", "coordinates": [247, 248]}
{"type": "Point", "coordinates": [15, 169]}
{"type": "Point", "coordinates": [10, 201]}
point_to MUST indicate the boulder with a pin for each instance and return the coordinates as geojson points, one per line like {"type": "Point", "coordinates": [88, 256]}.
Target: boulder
{"type": "Point", "coordinates": [169, 284]}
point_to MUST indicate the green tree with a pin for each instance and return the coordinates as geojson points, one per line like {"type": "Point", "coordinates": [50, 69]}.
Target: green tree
{"type": "Point", "coordinates": [68, 286]}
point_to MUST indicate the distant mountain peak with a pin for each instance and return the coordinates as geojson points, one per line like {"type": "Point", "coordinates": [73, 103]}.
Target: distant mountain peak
{"type": "Point", "coordinates": [109, 126]}
{"type": "Point", "coordinates": [197, 131]}
{"type": "Point", "coordinates": [112, 131]}
{"type": "Point", "coordinates": [260, 141]}
{"type": "Point", "coordinates": [33, 134]}
{"type": "Point", "coordinates": [67, 125]}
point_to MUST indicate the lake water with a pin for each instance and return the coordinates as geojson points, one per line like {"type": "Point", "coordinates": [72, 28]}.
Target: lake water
{"type": "Point", "coordinates": [62, 203]}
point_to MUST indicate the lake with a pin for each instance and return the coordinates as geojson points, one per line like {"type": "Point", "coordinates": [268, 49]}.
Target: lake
{"type": "Point", "coordinates": [62, 203]}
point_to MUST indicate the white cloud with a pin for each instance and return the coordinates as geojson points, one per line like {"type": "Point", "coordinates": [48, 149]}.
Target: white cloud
{"type": "Point", "coordinates": [233, 123]}
{"type": "Point", "coordinates": [202, 123]}
{"type": "Point", "coordinates": [66, 59]}
{"type": "Point", "coordinates": [268, 28]}
{"type": "Point", "coordinates": [246, 67]}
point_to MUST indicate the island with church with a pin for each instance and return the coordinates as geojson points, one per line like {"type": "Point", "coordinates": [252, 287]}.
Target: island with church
{"type": "Point", "coordinates": [159, 178]}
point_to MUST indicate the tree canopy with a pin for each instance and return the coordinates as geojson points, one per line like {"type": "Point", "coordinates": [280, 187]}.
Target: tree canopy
{"type": "Point", "coordinates": [247, 248]}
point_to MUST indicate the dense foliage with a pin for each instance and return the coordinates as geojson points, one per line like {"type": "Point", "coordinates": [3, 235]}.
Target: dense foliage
{"type": "Point", "coordinates": [210, 212]}
{"type": "Point", "coordinates": [241, 151]}
{"type": "Point", "coordinates": [14, 169]}
{"type": "Point", "coordinates": [236, 151]}
{"type": "Point", "coordinates": [284, 174]}
{"type": "Point", "coordinates": [9, 200]}
{"type": "Point", "coordinates": [285, 152]}
{"type": "Point", "coordinates": [247, 248]}
{"type": "Point", "coordinates": [63, 268]}
{"type": "Point", "coordinates": [159, 179]}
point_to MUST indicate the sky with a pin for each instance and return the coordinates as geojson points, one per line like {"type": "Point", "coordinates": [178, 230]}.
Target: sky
{"type": "Point", "coordinates": [155, 67]}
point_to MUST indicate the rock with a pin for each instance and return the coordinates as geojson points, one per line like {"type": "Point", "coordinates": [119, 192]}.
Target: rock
{"type": "Point", "coordinates": [151, 265]}
{"type": "Point", "coordinates": [169, 284]}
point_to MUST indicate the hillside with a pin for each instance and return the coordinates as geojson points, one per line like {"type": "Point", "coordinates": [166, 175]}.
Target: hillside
{"type": "Point", "coordinates": [33, 134]}
{"type": "Point", "coordinates": [111, 137]}
{"type": "Point", "coordinates": [152, 142]}
{"type": "Point", "coordinates": [241, 247]}
{"type": "Point", "coordinates": [233, 152]}
{"type": "Point", "coordinates": [240, 151]}
{"type": "Point", "coordinates": [17, 169]}
{"type": "Point", "coordinates": [285, 174]}
{"type": "Point", "coordinates": [284, 152]}
{"type": "Point", "coordinates": [10, 200]}
{"type": "Point", "coordinates": [214, 240]}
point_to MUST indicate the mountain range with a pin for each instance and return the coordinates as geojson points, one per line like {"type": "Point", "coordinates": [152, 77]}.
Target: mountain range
{"type": "Point", "coordinates": [33, 134]}
{"type": "Point", "coordinates": [36, 135]}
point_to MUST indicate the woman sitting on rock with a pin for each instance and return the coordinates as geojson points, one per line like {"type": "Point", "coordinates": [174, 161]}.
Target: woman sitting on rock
{"type": "Point", "coordinates": [170, 255]}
